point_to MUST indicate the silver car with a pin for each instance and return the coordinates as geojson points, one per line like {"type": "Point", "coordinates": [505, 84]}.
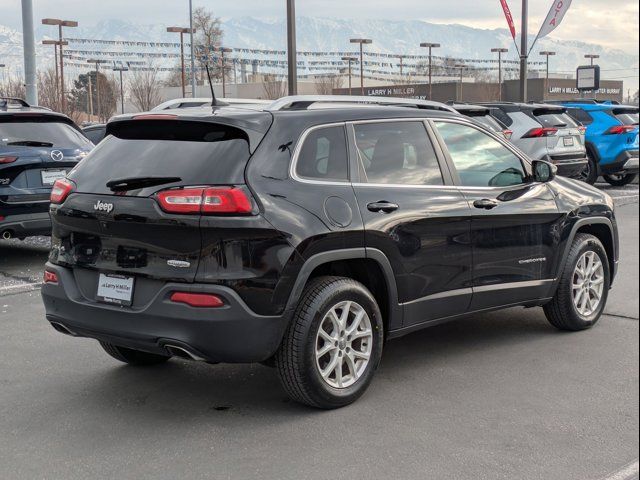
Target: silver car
{"type": "Point", "coordinates": [545, 132]}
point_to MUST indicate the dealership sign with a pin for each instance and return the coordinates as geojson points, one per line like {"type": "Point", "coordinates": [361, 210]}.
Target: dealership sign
{"type": "Point", "coordinates": [588, 78]}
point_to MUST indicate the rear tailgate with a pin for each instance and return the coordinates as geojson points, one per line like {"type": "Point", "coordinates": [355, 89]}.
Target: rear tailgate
{"type": "Point", "coordinates": [569, 139]}
{"type": "Point", "coordinates": [123, 229]}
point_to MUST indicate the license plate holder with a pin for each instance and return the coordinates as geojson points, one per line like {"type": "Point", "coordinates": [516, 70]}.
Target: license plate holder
{"type": "Point", "coordinates": [115, 289]}
{"type": "Point", "coordinates": [568, 141]}
{"type": "Point", "coordinates": [49, 177]}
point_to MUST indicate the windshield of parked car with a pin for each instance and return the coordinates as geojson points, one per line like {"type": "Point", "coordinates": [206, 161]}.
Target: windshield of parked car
{"type": "Point", "coordinates": [44, 134]}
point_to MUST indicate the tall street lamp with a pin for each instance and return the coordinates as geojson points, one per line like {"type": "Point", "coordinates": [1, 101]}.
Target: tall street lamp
{"type": "Point", "coordinates": [192, 48]}
{"type": "Point", "coordinates": [592, 57]}
{"type": "Point", "coordinates": [362, 42]}
{"type": "Point", "coordinates": [461, 66]}
{"type": "Point", "coordinates": [97, 62]}
{"type": "Point", "coordinates": [292, 52]}
{"type": "Point", "coordinates": [350, 60]}
{"type": "Point", "coordinates": [547, 54]}
{"type": "Point", "coordinates": [56, 44]}
{"type": "Point", "coordinates": [430, 46]}
{"type": "Point", "coordinates": [500, 51]}
{"type": "Point", "coordinates": [181, 31]}
{"type": "Point", "coordinates": [60, 24]}
{"type": "Point", "coordinates": [121, 69]}
{"type": "Point", "coordinates": [223, 67]}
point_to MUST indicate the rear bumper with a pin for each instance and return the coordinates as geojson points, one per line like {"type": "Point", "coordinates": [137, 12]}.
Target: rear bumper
{"type": "Point", "coordinates": [232, 334]}
{"type": "Point", "coordinates": [26, 225]}
{"type": "Point", "coordinates": [626, 162]}
{"type": "Point", "coordinates": [568, 167]}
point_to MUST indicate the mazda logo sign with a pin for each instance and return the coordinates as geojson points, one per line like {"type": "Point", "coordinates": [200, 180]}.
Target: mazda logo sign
{"type": "Point", "coordinates": [57, 155]}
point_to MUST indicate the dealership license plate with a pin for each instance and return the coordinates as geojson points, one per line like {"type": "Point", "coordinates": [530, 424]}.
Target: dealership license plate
{"type": "Point", "coordinates": [116, 289]}
{"type": "Point", "coordinates": [49, 177]}
{"type": "Point", "coordinates": [568, 141]}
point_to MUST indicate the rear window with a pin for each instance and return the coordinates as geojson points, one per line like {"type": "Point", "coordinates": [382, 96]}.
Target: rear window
{"type": "Point", "coordinates": [18, 131]}
{"type": "Point", "coordinates": [489, 122]}
{"type": "Point", "coordinates": [198, 153]}
{"type": "Point", "coordinates": [580, 115]}
{"type": "Point", "coordinates": [502, 116]}
{"type": "Point", "coordinates": [554, 119]}
{"type": "Point", "coordinates": [627, 116]}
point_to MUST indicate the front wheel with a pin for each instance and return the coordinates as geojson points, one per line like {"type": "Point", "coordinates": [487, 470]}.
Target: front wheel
{"type": "Point", "coordinates": [333, 345]}
{"type": "Point", "coordinates": [583, 288]}
{"type": "Point", "coordinates": [620, 179]}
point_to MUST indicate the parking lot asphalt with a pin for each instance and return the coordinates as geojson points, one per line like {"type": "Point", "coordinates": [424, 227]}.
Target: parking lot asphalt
{"type": "Point", "coordinates": [495, 396]}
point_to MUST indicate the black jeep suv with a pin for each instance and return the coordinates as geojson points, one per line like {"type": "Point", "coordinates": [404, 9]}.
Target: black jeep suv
{"type": "Point", "coordinates": [305, 234]}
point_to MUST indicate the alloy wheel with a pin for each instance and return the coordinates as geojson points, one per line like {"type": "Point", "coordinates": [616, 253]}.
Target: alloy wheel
{"type": "Point", "coordinates": [588, 283]}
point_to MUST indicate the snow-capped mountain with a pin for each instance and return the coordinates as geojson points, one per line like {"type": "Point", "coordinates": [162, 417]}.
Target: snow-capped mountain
{"type": "Point", "coordinates": [327, 34]}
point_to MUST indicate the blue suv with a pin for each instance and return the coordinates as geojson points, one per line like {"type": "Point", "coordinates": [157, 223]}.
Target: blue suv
{"type": "Point", "coordinates": [37, 147]}
{"type": "Point", "coordinates": [611, 139]}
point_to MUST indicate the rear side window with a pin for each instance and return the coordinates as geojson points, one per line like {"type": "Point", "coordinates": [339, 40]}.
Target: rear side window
{"type": "Point", "coordinates": [554, 119]}
{"type": "Point", "coordinates": [581, 116]}
{"type": "Point", "coordinates": [14, 131]}
{"type": "Point", "coordinates": [627, 116]}
{"type": "Point", "coordinates": [489, 122]}
{"type": "Point", "coordinates": [480, 160]}
{"type": "Point", "coordinates": [95, 134]}
{"type": "Point", "coordinates": [397, 153]}
{"type": "Point", "coordinates": [324, 155]}
{"type": "Point", "coordinates": [198, 153]}
{"type": "Point", "coordinates": [503, 117]}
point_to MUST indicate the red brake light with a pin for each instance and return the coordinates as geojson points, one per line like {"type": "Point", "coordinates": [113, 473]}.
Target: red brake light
{"type": "Point", "coordinates": [50, 277]}
{"type": "Point", "coordinates": [198, 300]}
{"type": "Point", "coordinates": [212, 200]}
{"type": "Point", "coordinates": [61, 190]}
{"type": "Point", "coordinates": [620, 129]}
{"type": "Point", "coordinates": [7, 159]}
{"type": "Point", "coordinates": [582, 129]}
{"type": "Point", "coordinates": [541, 132]}
{"type": "Point", "coordinates": [507, 134]}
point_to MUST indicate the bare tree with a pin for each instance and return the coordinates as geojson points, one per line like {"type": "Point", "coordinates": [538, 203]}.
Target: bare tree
{"type": "Point", "coordinates": [48, 91]}
{"type": "Point", "coordinates": [274, 87]}
{"type": "Point", "coordinates": [13, 87]}
{"type": "Point", "coordinates": [207, 38]}
{"type": "Point", "coordinates": [325, 84]}
{"type": "Point", "coordinates": [144, 88]}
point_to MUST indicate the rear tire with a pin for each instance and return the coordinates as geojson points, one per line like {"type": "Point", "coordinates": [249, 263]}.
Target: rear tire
{"type": "Point", "coordinates": [133, 357]}
{"type": "Point", "coordinates": [583, 288]}
{"type": "Point", "coordinates": [340, 317]}
{"type": "Point", "coordinates": [590, 173]}
{"type": "Point", "coordinates": [620, 180]}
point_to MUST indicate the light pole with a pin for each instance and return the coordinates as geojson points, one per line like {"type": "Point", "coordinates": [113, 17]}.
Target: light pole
{"type": "Point", "coordinates": [181, 31]}
{"type": "Point", "coordinates": [29, 53]}
{"type": "Point", "coordinates": [60, 24]}
{"type": "Point", "coordinates": [121, 69]}
{"type": "Point", "coordinates": [192, 48]}
{"type": "Point", "coordinates": [362, 42]}
{"type": "Point", "coordinates": [500, 51]}
{"type": "Point", "coordinates": [430, 46]}
{"type": "Point", "coordinates": [56, 44]}
{"type": "Point", "coordinates": [350, 60]}
{"type": "Point", "coordinates": [222, 51]}
{"type": "Point", "coordinates": [461, 66]}
{"type": "Point", "coordinates": [547, 54]}
{"type": "Point", "coordinates": [292, 52]}
{"type": "Point", "coordinates": [592, 57]}
{"type": "Point", "coordinates": [97, 63]}
{"type": "Point", "coordinates": [524, 51]}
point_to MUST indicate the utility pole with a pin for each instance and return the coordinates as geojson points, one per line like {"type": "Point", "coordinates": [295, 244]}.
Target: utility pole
{"type": "Point", "coordinates": [547, 54]}
{"type": "Point", "coordinates": [193, 60]}
{"type": "Point", "coordinates": [97, 62]}
{"type": "Point", "coordinates": [430, 46]}
{"type": "Point", "coordinates": [500, 51]}
{"type": "Point", "coordinates": [61, 23]}
{"type": "Point", "coordinates": [56, 44]}
{"type": "Point", "coordinates": [292, 52]}
{"type": "Point", "coordinates": [121, 69]}
{"type": "Point", "coordinates": [350, 60]}
{"type": "Point", "coordinates": [461, 66]}
{"type": "Point", "coordinates": [592, 57]}
{"type": "Point", "coordinates": [181, 31]}
{"type": "Point", "coordinates": [362, 42]}
{"type": "Point", "coordinates": [524, 50]}
{"type": "Point", "coordinates": [29, 43]}
{"type": "Point", "coordinates": [223, 67]}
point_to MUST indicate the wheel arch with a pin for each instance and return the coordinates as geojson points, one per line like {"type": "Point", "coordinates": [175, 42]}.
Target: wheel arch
{"type": "Point", "coordinates": [368, 266]}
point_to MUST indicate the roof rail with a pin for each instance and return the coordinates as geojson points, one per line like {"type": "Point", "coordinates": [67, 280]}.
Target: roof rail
{"type": "Point", "coordinates": [6, 102]}
{"type": "Point", "coordinates": [303, 102]}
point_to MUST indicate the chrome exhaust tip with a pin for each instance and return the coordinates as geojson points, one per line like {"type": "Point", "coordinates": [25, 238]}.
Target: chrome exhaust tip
{"type": "Point", "coordinates": [6, 235]}
{"type": "Point", "coordinates": [62, 329]}
{"type": "Point", "coordinates": [182, 352]}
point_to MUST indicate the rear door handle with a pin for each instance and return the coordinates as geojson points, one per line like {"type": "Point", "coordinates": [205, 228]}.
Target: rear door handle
{"type": "Point", "coordinates": [382, 206]}
{"type": "Point", "coordinates": [485, 204]}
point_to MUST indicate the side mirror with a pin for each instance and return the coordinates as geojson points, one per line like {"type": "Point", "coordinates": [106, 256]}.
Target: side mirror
{"type": "Point", "coordinates": [544, 171]}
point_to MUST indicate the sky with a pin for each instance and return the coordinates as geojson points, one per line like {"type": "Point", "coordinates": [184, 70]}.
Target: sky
{"type": "Point", "coordinates": [608, 23]}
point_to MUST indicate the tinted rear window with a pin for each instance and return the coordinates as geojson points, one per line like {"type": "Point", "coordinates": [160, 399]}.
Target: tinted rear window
{"type": "Point", "coordinates": [627, 117]}
{"type": "Point", "coordinates": [198, 153]}
{"type": "Point", "coordinates": [57, 134]}
{"type": "Point", "coordinates": [555, 119]}
{"type": "Point", "coordinates": [489, 122]}
{"type": "Point", "coordinates": [502, 116]}
{"type": "Point", "coordinates": [580, 115]}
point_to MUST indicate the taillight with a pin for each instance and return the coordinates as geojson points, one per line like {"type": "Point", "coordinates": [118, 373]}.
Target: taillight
{"type": "Point", "coordinates": [61, 190]}
{"type": "Point", "coordinates": [620, 129]}
{"type": "Point", "coordinates": [507, 134]}
{"type": "Point", "coordinates": [540, 132]}
{"type": "Point", "coordinates": [582, 130]}
{"type": "Point", "coordinates": [7, 159]}
{"type": "Point", "coordinates": [50, 277]}
{"type": "Point", "coordinates": [198, 300]}
{"type": "Point", "coordinates": [207, 201]}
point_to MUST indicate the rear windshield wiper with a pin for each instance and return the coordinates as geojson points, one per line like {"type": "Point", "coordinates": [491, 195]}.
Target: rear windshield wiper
{"type": "Point", "coordinates": [125, 184]}
{"type": "Point", "coordinates": [30, 143]}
